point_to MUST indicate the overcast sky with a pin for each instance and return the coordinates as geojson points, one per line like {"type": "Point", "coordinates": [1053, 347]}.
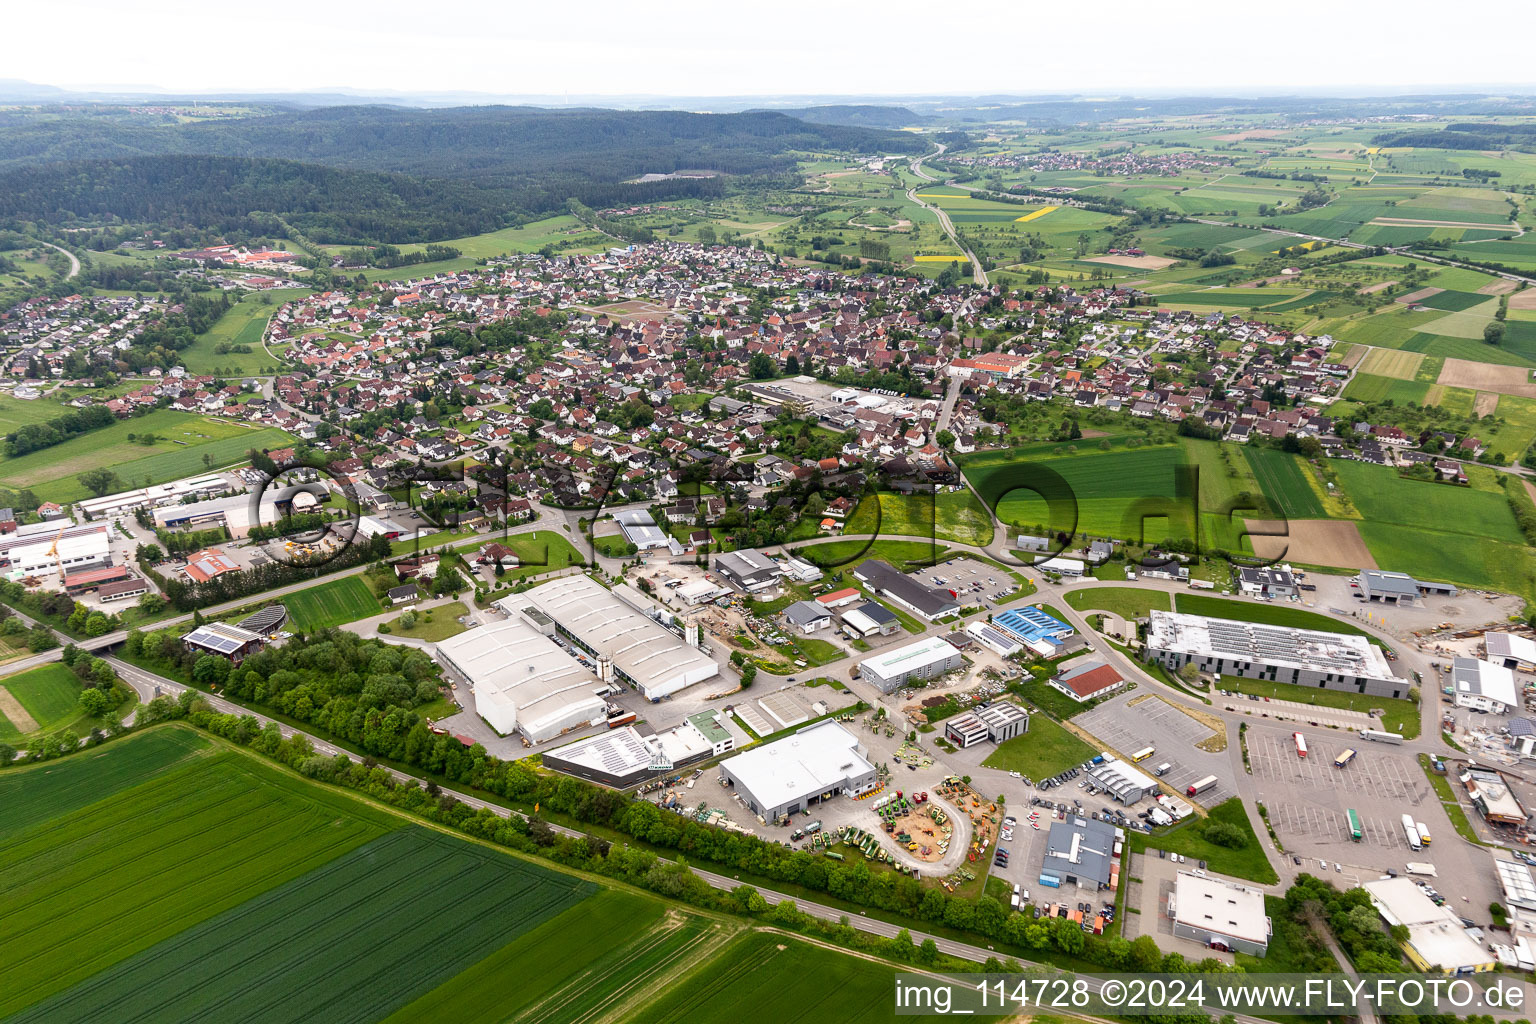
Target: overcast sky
{"type": "Point", "coordinates": [721, 48]}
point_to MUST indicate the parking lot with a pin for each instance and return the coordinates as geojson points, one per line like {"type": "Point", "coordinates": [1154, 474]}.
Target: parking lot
{"type": "Point", "coordinates": [1156, 723]}
{"type": "Point", "coordinates": [976, 583]}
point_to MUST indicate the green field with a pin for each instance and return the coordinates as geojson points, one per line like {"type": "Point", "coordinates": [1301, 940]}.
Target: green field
{"type": "Point", "coordinates": [185, 439]}
{"type": "Point", "coordinates": [1047, 748]}
{"type": "Point", "coordinates": [442, 624]}
{"type": "Point", "coordinates": [1286, 482]}
{"type": "Point", "coordinates": [1457, 557]}
{"type": "Point", "coordinates": [954, 516]}
{"type": "Point", "coordinates": [49, 693]}
{"type": "Point", "coordinates": [762, 970]}
{"type": "Point", "coordinates": [244, 324]}
{"type": "Point", "coordinates": [331, 604]}
{"type": "Point", "coordinates": [30, 797]}
{"type": "Point", "coordinates": [1382, 496]}
{"type": "Point", "coordinates": [1185, 838]}
{"type": "Point", "coordinates": [1114, 494]}
{"type": "Point", "coordinates": [1126, 602]}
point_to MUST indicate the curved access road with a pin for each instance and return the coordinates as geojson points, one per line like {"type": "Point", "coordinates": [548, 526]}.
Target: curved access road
{"type": "Point", "coordinates": [74, 261]}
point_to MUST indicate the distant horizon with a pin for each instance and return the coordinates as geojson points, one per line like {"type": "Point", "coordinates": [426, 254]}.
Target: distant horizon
{"type": "Point", "coordinates": [126, 92]}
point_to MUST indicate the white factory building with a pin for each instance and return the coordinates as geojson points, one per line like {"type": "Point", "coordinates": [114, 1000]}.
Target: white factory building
{"type": "Point", "coordinates": [31, 551]}
{"type": "Point", "coordinates": [1437, 941]}
{"type": "Point", "coordinates": [1219, 914]}
{"type": "Point", "coordinates": [1484, 686]}
{"type": "Point", "coordinates": [237, 513]}
{"type": "Point", "coordinates": [799, 771]}
{"type": "Point", "coordinates": [638, 649]}
{"type": "Point", "coordinates": [924, 659]}
{"type": "Point", "coordinates": [523, 681]}
{"type": "Point", "coordinates": [160, 494]}
{"type": "Point", "coordinates": [1250, 650]}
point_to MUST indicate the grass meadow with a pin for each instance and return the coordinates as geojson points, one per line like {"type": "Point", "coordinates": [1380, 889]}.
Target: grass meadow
{"type": "Point", "coordinates": [331, 604]}
{"type": "Point", "coordinates": [49, 693]}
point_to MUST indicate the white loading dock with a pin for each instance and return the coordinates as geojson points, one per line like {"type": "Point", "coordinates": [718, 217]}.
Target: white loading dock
{"type": "Point", "coordinates": [640, 650]}
{"type": "Point", "coordinates": [523, 681]}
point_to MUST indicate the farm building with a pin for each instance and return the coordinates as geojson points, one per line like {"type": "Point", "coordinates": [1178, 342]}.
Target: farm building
{"type": "Point", "coordinates": [1484, 686]}
{"type": "Point", "coordinates": [748, 571]}
{"type": "Point", "coordinates": [232, 642]}
{"type": "Point", "coordinates": [799, 771]}
{"type": "Point", "coordinates": [1219, 914]}
{"type": "Point", "coordinates": [1250, 650]}
{"type": "Point", "coordinates": [639, 650]}
{"type": "Point", "coordinates": [924, 659]}
{"type": "Point", "coordinates": [1399, 587]}
{"type": "Point", "coordinates": [1438, 942]}
{"type": "Point", "coordinates": [523, 681]}
{"type": "Point", "coordinates": [1085, 679]}
{"type": "Point", "coordinates": [929, 602]}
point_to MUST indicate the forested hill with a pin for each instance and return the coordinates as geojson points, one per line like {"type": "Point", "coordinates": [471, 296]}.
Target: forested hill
{"type": "Point", "coordinates": [497, 145]}
{"type": "Point", "coordinates": [385, 174]}
{"type": "Point", "coordinates": [865, 115]}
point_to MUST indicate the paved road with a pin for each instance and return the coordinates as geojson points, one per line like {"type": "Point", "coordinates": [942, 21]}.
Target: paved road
{"type": "Point", "coordinates": [74, 262]}
{"type": "Point", "coordinates": [977, 273]}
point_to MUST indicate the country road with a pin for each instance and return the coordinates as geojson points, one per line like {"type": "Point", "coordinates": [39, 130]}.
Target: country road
{"type": "Point", "coordinates": [978, 274]}
{"type": "Point", "coordinates": [74, 261]}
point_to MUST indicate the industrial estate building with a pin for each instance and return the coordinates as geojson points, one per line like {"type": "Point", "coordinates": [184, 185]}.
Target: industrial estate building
{"type": "Point", "coordinates": [870, 619]}
{"type": "Point", "coordinates": [1437, 940]}
{"type": "Point", "coordinates": [995, 722]}
{"type": "Point", "coordinates": [624, 757]}
{"type": "Point", "coordinates": [1510, 650]}
{"type": "Point", "coordinates": [795, 773]}
{"type": "Point", "coordinates": [1399, 587]}
{"type": "Point", "coordinates": [929, 602]}
{"type": "Point", "coordinates": [237, 513]}
{"type": "Point", "coordinates": [641, 530]}
{"type": "Point", "coordinates": [44, 551]}
{"type": "Point", "coordinates": [1302, 657]}
{"type": "Point", "coordinates": [1491, 795]}
{"type": "Point", "coordinates": [1083, 852]}
{"type": "Point", "coordinates": [638, 649]}
{"type": "Point", "coordinates": [923, 659]}
{"type": "Point", "coordinates": [1124, 782]}
{"type": "Point", "coordinates": [523, 681]}
{"type": "Point", "coordinates": [994, 639]}
{"type": "Point", "coordinates": [749, 571]}
{"type": "Point", "coordinates": [1219, 914]}
{"type": "Point", "coordinates": [1036, 629]}
{"type": "Point", "coordinates": [1484, 686]}
{"type": "Point", "coordinates": [1085, 679]}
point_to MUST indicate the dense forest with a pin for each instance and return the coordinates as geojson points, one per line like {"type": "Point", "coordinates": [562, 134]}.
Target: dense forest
{"type": "Point", "coordinates": [382, 174]}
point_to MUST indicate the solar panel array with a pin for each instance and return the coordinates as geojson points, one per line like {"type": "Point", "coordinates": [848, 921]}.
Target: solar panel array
{"type": "Point", "coordinates": [214, 640]}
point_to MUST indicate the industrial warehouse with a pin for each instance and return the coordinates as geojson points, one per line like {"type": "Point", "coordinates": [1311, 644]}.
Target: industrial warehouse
{"type": "Point", "coordinates": [792, 774]}
{"type": "Point", "coordinates": [43, 550]}
{"type": "Point", "coordinates": [924, 659]}
{"type": "Point", "coordinates": [640, 651]}
{"type": "Point", "coordinates": [523, 681]}
{"type": "Point", "coordinates": [1303, 657]}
